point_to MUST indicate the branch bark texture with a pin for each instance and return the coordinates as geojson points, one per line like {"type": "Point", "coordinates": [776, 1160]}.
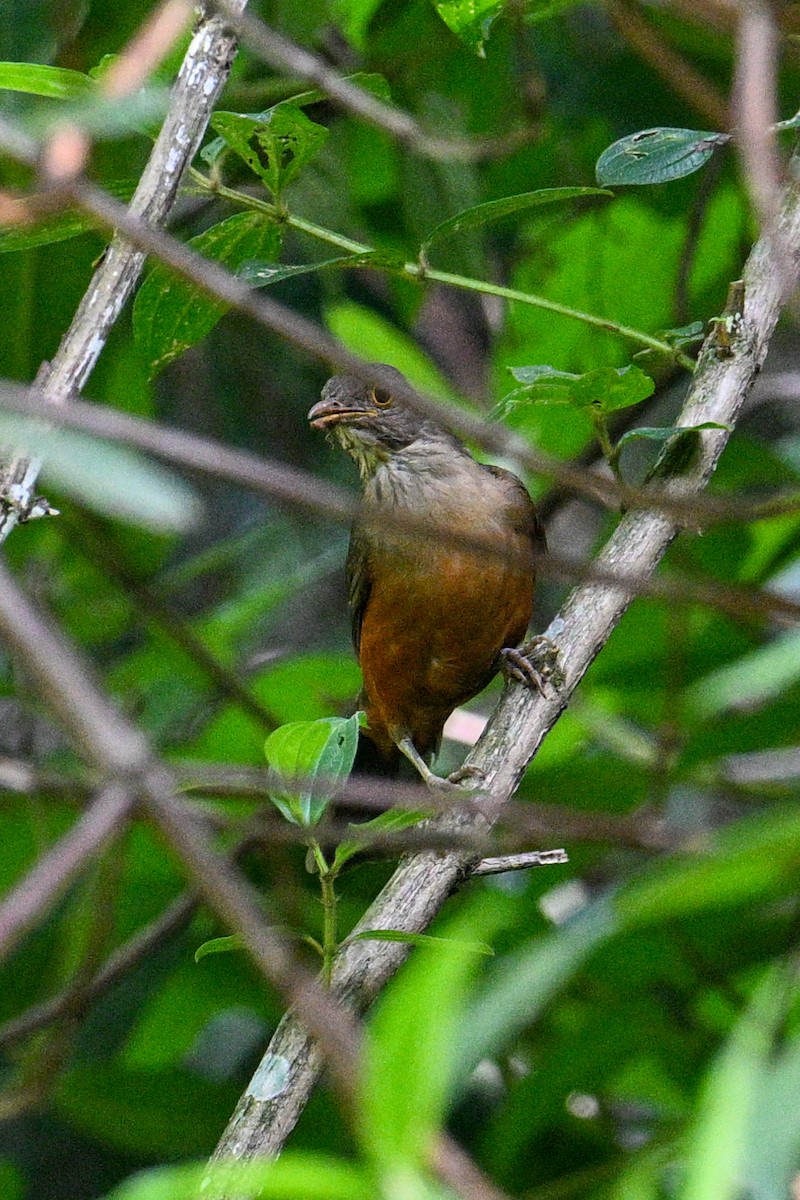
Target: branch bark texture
{"type": "Point", "coordinates": [522, 719]}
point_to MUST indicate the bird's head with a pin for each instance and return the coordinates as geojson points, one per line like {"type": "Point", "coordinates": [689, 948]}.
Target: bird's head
{"type": "Point", "coordinates": [371, 423]}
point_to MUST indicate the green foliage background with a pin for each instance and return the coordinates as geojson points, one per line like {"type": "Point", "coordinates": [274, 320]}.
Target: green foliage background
{"type": "Point", "coordinates": [636, 1033]}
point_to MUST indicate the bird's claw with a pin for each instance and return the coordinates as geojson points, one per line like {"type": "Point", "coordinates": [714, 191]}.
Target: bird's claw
{"type": "Point", "coordinates": [533, 664]}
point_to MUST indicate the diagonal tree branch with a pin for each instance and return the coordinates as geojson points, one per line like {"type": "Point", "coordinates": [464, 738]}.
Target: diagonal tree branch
{"type": "Point", "coordinates": [421, 885]}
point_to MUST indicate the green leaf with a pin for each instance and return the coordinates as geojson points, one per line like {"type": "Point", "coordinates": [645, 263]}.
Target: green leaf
{"type": "Point", "coordinates": [12, 1184]}
{"type": "Point", "coordinates": [421, 939]}
{"type": "Point", "coordinates": [662, 433]}
{"type": "Point", "coordinates": [39, 80]}
{"type": "Point", "coordinates": [745, 861]}
{"type": "Point", "coordinates": [413, 1046]}
{"type": "Point", "coordinates": [313, 751]}
{"type": "Point", "coordinates": [773, 1142]}
{"type": "Point", "coordinates": [715, 1158]}
{"type": "Point", "coordinates": [169, 315]}
{"type": "Point", "coordinates": [684, 335]}
{"type": "Point", "coordinates": [108, 478]}
{"type": "Point", "coordinates": [470, 20]}
{"type": "Point", "coordinates": [219, 945]}
{"type": "Point", "coordinates": [262, 274]}
{"type": "Point", "coordinates": [391, 821]}
{"type": "Point", "coordinates": [607, 388]}
{"type": "Point", "coordinates": [275, 144]}
{"type": "Point", "coordinates": [59, 227]}
{"type": "Point", "coordinates": [494, 210]}
{"type": "Point", "coordinates": [296, 1175]}
{"type": "Point", "coordinates": [656, 156]}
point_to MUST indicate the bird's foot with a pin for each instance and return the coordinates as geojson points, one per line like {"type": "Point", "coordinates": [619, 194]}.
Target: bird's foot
{"type": "Point", "coordinates": [438, 783]}
{"type": "Point", "coordinates": [533, 664]}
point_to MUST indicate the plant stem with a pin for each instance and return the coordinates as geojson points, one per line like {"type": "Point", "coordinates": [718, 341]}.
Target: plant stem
{"type": "Point", "coordinates": [327, 883]}
{"type": "Point", "coordinates": [417, 271]}
{"type": "Point", "coordinates": [609, 450]}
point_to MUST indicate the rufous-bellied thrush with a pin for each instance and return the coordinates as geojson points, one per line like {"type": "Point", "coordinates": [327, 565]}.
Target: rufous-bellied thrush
{"type": "Point", "coordinates": [434, 615]}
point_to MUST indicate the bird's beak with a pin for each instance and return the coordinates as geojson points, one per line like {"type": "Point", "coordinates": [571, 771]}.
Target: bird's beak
{"type": "Point", "coordinates": [330, 412]}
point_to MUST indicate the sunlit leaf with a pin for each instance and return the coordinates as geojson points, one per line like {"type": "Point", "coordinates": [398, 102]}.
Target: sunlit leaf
{"type": "Point", "coordinates": [607, 388]}
{"type": "Point", "coordinates": [316, 751]}
{"type": "Point", "coordinates": [715, 1155]}
{"type": "Point", "coordinates": [656, 156]}
{"type": "Point", "coordinates": [170, 315]}
{"type": "Point", "coordinates": [494, 210]}
{"type": "Point", "coordinates": [296, 1175]}
{"type": "Point", "coordinates": [750, 681]}
{"type": "Point", "coordinates": [275, 144]}
{"type": "Point", "coordinates": [40, 80]}
{"type": "Point", "coordinates": [413, 1048]}
{"type": "Point", "coordinates": [470, 20]}
{"type": "Point", "coordinates": [220, 945]}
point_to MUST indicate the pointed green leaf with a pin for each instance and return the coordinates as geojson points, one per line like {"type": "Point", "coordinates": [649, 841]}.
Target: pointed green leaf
{"type": "Point", "coordinates": [111, 479]}
{"type": "Point", "coordinates": [313, 751]}
{"type": "Point", "coordinates": [663, 433]}
{"type": "Point", "coordinates": [40, 80]}
{"type": "Point", "coordinates": [684, 335]}
{"type": "Point", "coordinates": [470, 20]}
{"type": "Point", "coordinates": [391, 821]}
{"type": "Point", "coordinates": [170, 315]}
{"type": "Point", "coordinates": [220, 945]}
{"type": "Point", "coordinates": [275, 144]}
{"type": "Point", "coordinates": [369, 81]}
{"type": "Point", "coordinates": [262, 274]}
{"type": "Point", "coordinates": [494, 210]}
{"type": "Point", "coordinates": [656, 156]}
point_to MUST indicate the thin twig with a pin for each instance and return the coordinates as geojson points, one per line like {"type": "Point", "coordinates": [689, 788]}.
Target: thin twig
{"type": "Point", "coordinates": [519, 862]}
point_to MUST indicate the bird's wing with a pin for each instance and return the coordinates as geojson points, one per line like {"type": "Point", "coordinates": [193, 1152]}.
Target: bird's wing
{"type": "Point", "coordinates": [359, 581]}
{"type": "Point", "coordinates": [521, 509]}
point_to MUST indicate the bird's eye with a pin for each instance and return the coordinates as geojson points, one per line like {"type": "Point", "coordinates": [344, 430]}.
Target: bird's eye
{"type": "Point", "coordinates": [381, 397]}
